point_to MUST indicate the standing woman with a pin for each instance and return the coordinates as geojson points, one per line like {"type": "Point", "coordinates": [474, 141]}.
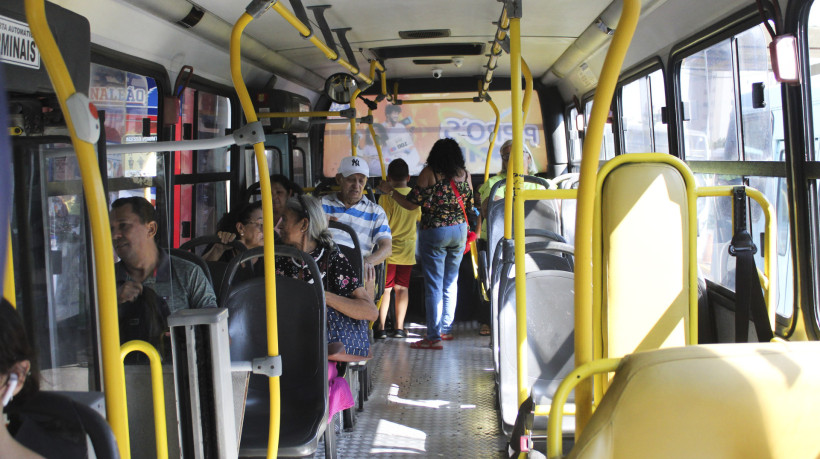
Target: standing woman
{"type": "Point", "coordinates": [442, 183]}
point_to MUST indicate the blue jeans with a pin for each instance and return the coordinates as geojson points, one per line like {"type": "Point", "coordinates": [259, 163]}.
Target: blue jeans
{"type": "Point", "coordinates": [441, 252]}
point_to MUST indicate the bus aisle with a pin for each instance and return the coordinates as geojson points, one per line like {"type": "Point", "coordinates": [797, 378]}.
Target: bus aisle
{"type": "Point", "coordinates": [428, 403]}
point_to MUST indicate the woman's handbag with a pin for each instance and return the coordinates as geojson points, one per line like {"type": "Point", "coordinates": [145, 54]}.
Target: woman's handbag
{"type": "Point", "coordinates": [471, 235]}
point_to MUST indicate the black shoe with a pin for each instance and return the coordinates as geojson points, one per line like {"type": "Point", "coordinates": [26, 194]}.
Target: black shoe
{"type": "Point", "coordinates": [380, 334]}
{"type": "Point", "coordinates": [399, 334]}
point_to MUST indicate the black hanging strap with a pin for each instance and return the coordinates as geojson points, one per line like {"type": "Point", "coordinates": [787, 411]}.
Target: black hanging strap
{"type": "Point", "coordinates": [749, 293]}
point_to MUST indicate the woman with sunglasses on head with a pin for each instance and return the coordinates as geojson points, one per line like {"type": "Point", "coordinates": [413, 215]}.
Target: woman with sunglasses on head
{"type": "Point", "coordinates": [350, 307]}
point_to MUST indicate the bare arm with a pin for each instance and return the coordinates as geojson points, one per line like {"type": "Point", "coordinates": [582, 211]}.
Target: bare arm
{"type": "Point", "coordinates": [360, 306]}
{"type": "Point", "coordinates": [381, 254]}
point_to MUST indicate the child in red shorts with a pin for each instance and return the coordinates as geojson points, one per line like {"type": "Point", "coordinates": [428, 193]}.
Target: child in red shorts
{"type": "Point", "coordinates": [400, 263]}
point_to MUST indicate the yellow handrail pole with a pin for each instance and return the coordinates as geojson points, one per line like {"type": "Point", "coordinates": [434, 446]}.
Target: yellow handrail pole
{"type": "Point", "coordinates": [267, 222]}
{"type": "Point", "coordinates": [113, 372]}
{"type": "Point", "coordinates": [395, 91]}
{"type": "Point", "coordinates": [527, 88]}
{"type": "Point", "coordinates": [771, 239]}
{"type": "Point", "coordinates": [492, 138]}
{"type": "Point", "coordinates": [9, 292]}
{"type": "Point", "coordinates": [436, 101]}
{"type": "Point", "coordinates": [586, 203]}
{"type": "Point", "coordinates": [518, 207]}
{"type": "Point", "coordinates": [573, 380]}
{"type": "Point", "coordinates": [353, 122]}
{"type": "Point", "coordinates": [376, 143]}
{"type": "Point", "coordinates": [306, 33]}
{"type": "Point", "coordinates": [157, 391]}
{"type": "Point", "coordinates": [297, 114]}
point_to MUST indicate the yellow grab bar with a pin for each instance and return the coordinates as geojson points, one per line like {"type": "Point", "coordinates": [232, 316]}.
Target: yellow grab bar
{"type": "Point", "coordinates": [378, 146]}
{"type": "Point", "coordinates": [586, 203]}
{"type": "Point", "coordinates": [492, 138]}
{"type": "Point", "coordinates": [157, 391]}
{"type": "Point", "coordinates": [573, 379]}
{"type": "Point", "coordinates": [9, 292]}
{"type": "Point", "coordinates": [437, 101]}
{"type": "Point", "coordinates": [297, 114]}
{"type": "Point", "coordinates": [771, 239]}
{"type": "Point", "coordinates": [267, 222]}
{"type": "Point", "coordinates": [306, 33]}
{"type": "Point", "coordinates": [113, 373]}
{"type": "Point", "coordinates": [527, 89]}
{"type": "Point", "coordinates": [518, 207]}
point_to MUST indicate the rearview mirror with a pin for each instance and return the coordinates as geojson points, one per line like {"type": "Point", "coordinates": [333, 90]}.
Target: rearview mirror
{"type": "Point", "coordinates": [339, 87]}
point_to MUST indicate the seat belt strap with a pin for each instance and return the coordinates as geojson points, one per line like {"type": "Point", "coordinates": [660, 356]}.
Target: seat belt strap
{"type": "Point", "coordinates": [749, 299]}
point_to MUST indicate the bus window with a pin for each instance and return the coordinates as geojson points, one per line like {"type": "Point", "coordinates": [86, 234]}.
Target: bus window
{"type": "Point", "coordinates": [575, 138]}
{"type": "Point", "coordinates": [66, 322]}
{"type": "Point", "coordinates": [641, 104]}
{"type": "Point", "coordinates": [199, 204]}
{"type": "Point", "coordinates": [814, 87]}
{"type": "Point", "coordinates": [608, 145]}
{"type": "Point", "coordinates": [735, 73]}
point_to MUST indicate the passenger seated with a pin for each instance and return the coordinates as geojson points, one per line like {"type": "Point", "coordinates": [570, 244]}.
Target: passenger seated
{"type": "Point", "coordinates": [281, 189]}
{"type": "Point", "coordinates": [244, 226]}
{"type": "Point", "coordinates": [28, 433]}
{"type": "Point", "coordinates": [349, 206]}
{"type": "Point", "coordinates": [349, 306]}
{"type": "Point", "coordinates": [151, 285]}
{"type": "Point", "coordinates": [483, 312]}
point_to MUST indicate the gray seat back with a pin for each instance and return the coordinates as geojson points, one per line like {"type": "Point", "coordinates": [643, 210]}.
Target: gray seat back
{"type": "Point", "coordinates": [302, 340]}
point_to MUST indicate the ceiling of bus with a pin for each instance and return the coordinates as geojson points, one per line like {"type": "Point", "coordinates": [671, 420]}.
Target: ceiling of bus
{"type": "Point", "coordinates": [547, 28]}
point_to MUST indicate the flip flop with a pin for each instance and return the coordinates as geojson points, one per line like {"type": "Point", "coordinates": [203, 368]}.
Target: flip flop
{"type": "Point", "coordinates": [447, 337]}
{"type": "Point", "coordinates": [426, 344]}
{"type": "Point", "coordinates": [485, 330]}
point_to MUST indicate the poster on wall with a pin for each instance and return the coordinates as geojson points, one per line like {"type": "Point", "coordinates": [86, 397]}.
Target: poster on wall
{"type": "Point", "coordinates": [409, 131]}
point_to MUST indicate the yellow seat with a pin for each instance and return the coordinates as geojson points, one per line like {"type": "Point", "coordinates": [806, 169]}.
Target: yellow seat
{"type": "Point", "coordinates": [710, 401]}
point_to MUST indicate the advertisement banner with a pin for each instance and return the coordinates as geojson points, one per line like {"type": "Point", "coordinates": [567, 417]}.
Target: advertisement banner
{"type": "Point", "coordinates": [409, 131]}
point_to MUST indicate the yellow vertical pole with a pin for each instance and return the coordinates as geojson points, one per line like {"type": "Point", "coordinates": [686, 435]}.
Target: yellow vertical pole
{"type": "Point", "coordinates": [267, 222]}
{"type": "Point", "coordinates": [9, 292]}
{"type": "Point", "coordinates": [378, 147]}
{"type": "Point", "coordinates": [516, 155]}
{"type": "Point", "coordinates": [353, 122]}
{"type": "Point", "coordinates": [586, 203]}
{"type": "Point", "coordinates": [492, 138]}
{"type": "Point", "coordinates": [527, 89]}
{"type": "Point", "coordinates": [113, 373]}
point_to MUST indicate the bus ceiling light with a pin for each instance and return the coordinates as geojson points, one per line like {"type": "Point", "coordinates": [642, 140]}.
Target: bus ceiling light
{"type": "Point", "coordinates": [580, 125]}
{"type": "Point", "coordinates": [783, 52]}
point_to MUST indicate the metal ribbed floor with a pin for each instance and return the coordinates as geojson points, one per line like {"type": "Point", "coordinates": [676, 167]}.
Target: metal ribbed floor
{"type": "Point", "coordinates": [428, 403]}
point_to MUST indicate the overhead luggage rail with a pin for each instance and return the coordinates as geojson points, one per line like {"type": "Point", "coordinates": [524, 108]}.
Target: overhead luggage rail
{"type": "Point", "coordinates": [83, 126]}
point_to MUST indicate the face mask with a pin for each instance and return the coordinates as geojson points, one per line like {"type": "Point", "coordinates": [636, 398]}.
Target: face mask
{"type": "Point", "coordinates": [10, 387]}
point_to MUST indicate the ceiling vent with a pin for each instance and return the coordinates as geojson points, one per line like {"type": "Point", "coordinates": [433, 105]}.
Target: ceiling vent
{"type": "Point", "coordinates": [432, 61]}
{"type": "Point", "coordinates": [427, 34]}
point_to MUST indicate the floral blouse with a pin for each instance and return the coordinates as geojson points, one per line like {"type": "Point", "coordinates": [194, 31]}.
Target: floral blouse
{"type": "Point", "coordinates": [339, 277]}
{"type": "Point", "coordinates": [439, 206]}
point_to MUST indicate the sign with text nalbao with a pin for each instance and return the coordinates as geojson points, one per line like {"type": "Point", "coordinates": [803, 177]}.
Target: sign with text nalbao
{"type": "Point", "coordinates": [17, 46]}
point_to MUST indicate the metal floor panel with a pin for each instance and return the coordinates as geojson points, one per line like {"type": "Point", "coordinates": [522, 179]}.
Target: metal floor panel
{"type": "Point", "coordinates": [428, 403]}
